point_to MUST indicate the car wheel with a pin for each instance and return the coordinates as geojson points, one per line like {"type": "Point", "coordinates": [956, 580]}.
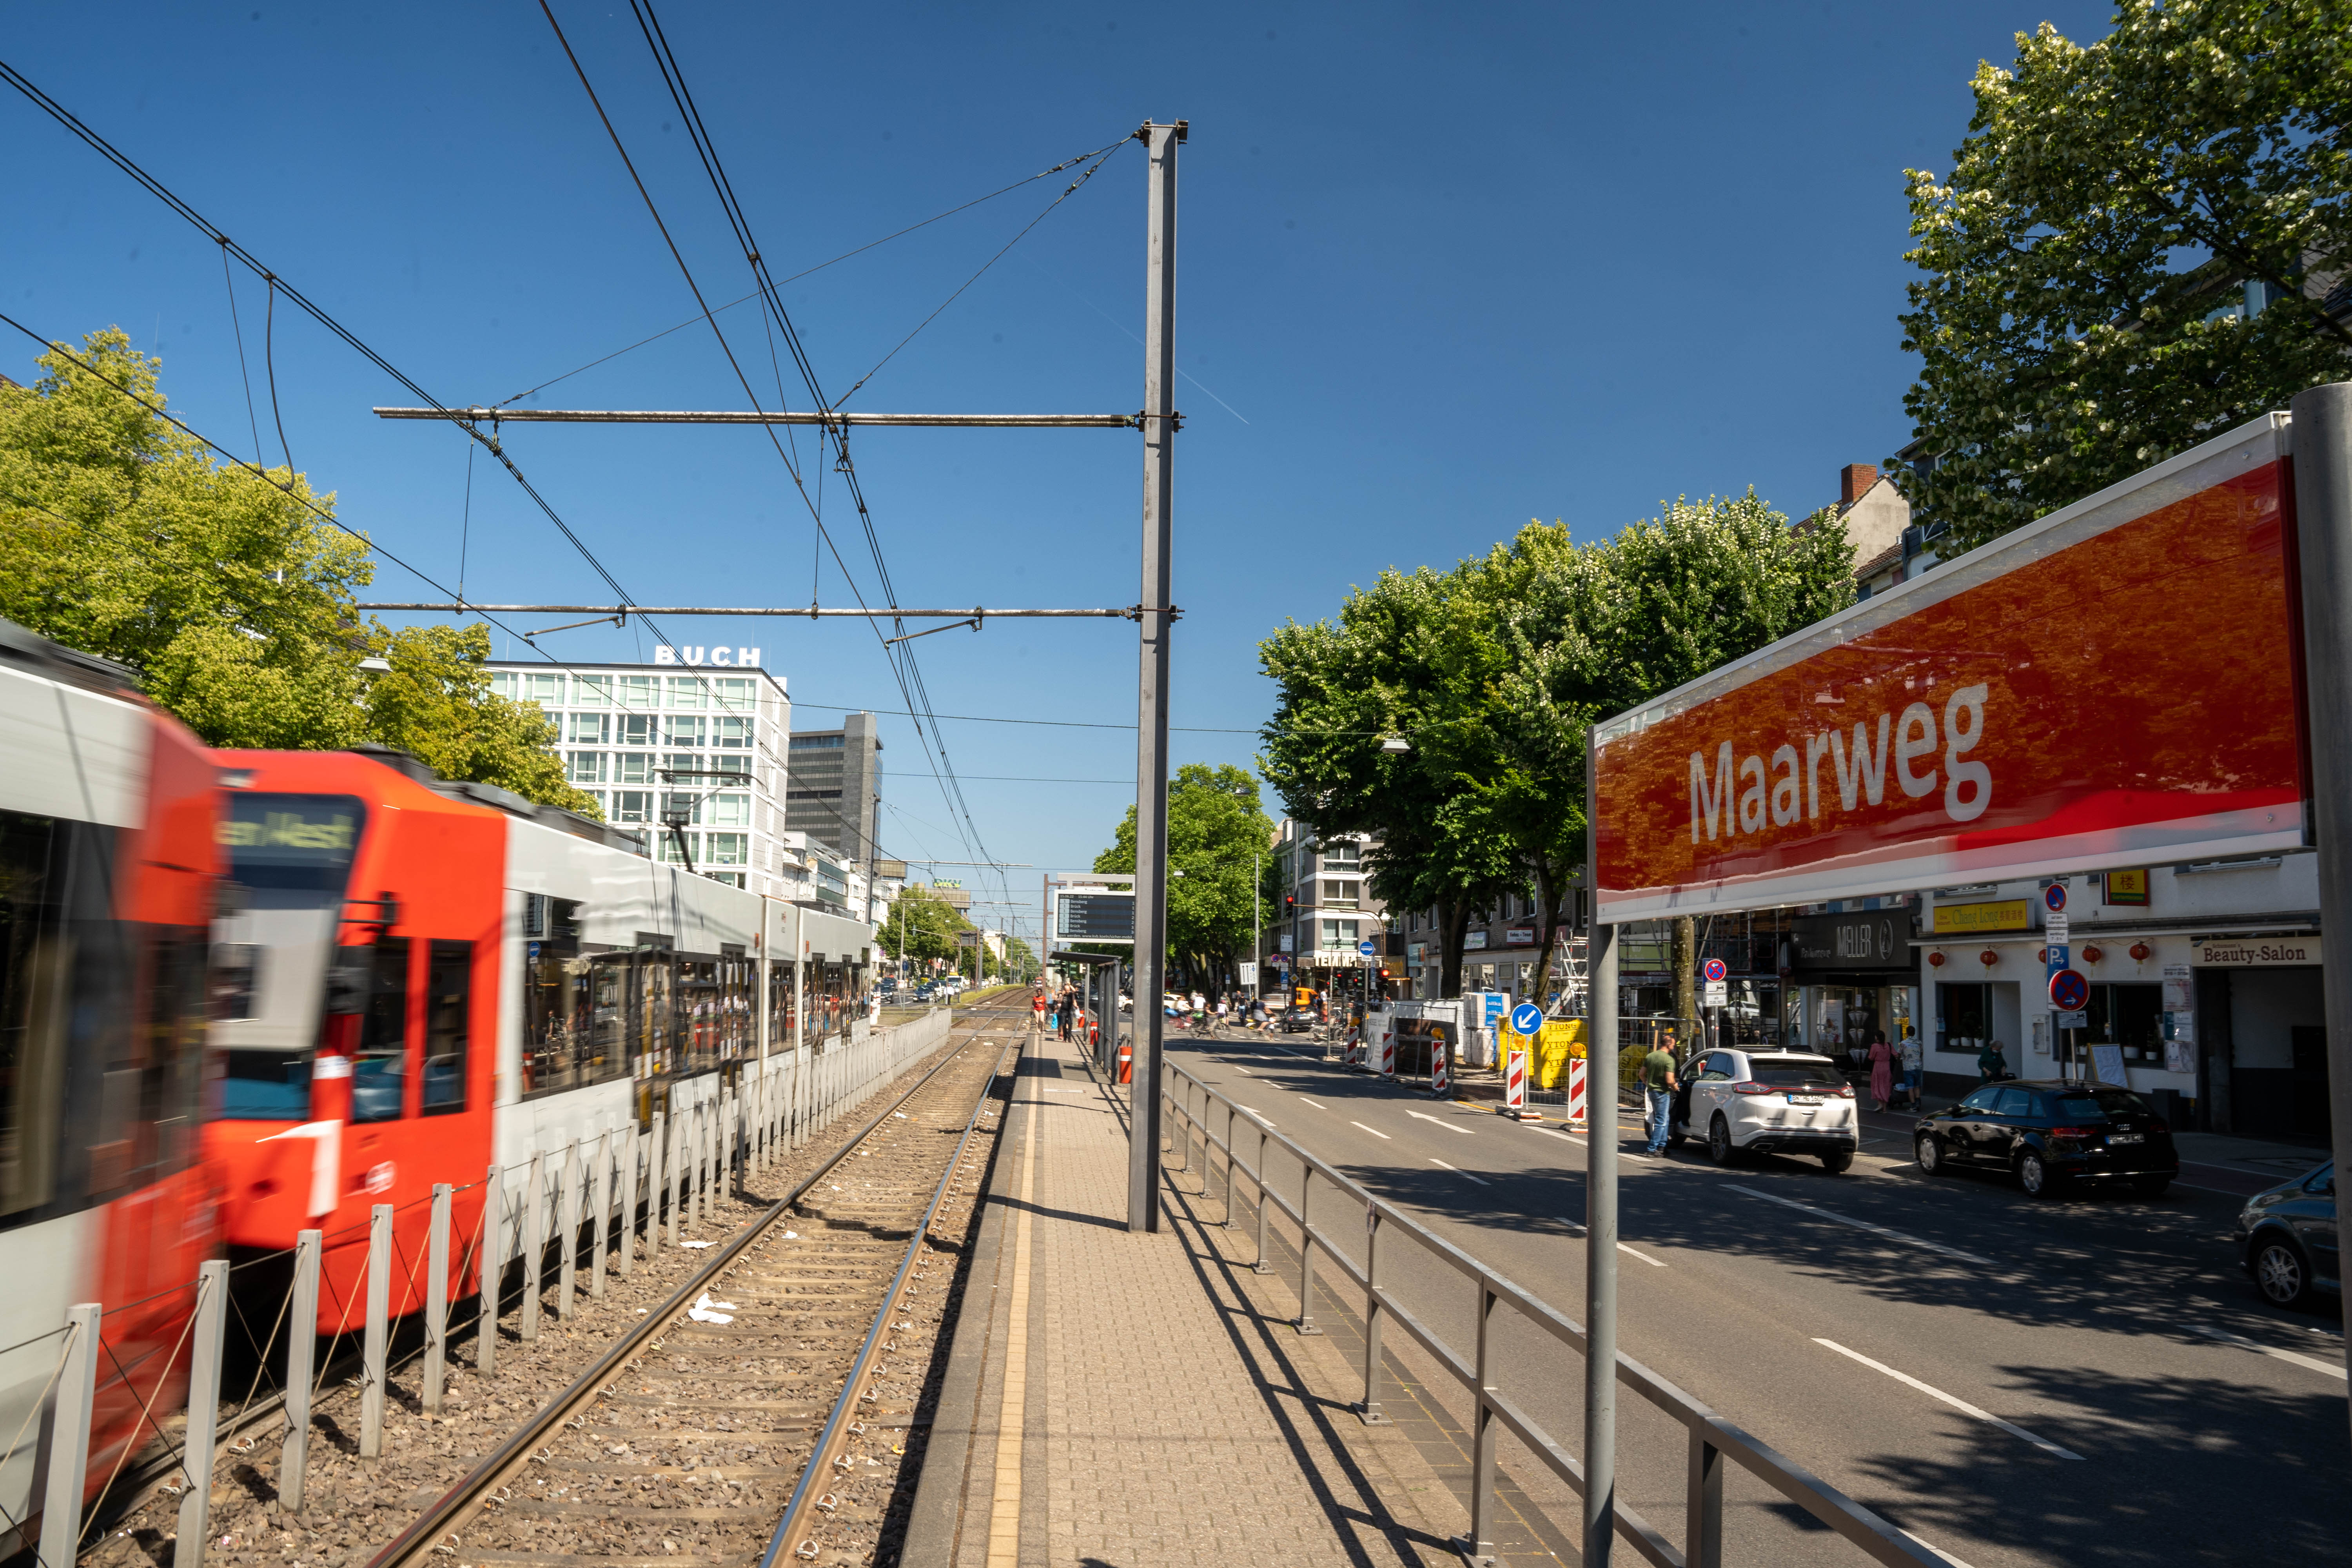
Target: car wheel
{"type": "Point", "coordinates": [1718, 1142]}
{"type": "Point", "coordinates": [1838, 1163]}
{"type": "Point", "coordinates": [1930, 1150]}
{"type": "Point", "coordinates": [2280, 1274]}
{"type": "Point", "coordinates": [2034, 1174]}
{"type": "Point", "coordinates": [2151, 1186]}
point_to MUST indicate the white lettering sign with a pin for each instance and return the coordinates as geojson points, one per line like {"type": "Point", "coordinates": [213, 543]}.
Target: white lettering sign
{"type": "Point", "coordinates": [1772, 794]}
{"type": "Point", "coordinates": [663, 654]}
{"type": "Point", "coordinates": [2257, 952]}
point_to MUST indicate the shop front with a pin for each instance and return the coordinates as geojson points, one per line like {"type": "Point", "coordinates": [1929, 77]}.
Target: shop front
{"type": "Point", "coordinates": [1850, 980]}
{"type": "Point", "coordinates": [2262, 1035]}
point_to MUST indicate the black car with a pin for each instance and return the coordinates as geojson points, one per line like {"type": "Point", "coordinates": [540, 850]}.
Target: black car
{"type": "Point", "coordinates": [2288, 1240]}
{"type": "Point", "coordinates": [2050, 1134]}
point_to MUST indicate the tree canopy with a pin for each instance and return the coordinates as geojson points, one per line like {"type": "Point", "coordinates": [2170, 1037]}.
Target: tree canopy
{"type": "Point", "coordinates": [1493, 672]}
{"type": "Point", "coordinates": [2085, 312]}
{"type": "Point", "coordinates": [1218, 832]}
{"type": "Point", "coordinates": [226, 591]}
{"type": "Point", "coordinates": [920, 924]}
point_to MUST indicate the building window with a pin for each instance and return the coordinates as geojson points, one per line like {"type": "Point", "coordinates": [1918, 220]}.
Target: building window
{"type": "Point", "coordinates": [1338, 933]}
{"type": "Point", "coordinates": [1964, 1020]}
{"type": "Point", "coordinates": [688, 691]}
{"type": "Point", "coordinates": [816, 742]}
{"type": "Point", "coordinates": [727, 848]}
{"type": "Point", "coordinates": [730, 811]}
{"type": "Point", "coordinates": [588, 728]}
{"type": "Point", "coordinates": [586, 768]}
{"type": "Point", "coordinates": [735, 693]}
{"type": "Point", "coordinates": [1340, 856]}
{"type": "Point", "coordinates": [733, 767]}
{"type": "Point", "coordinates": [502, 683]}
{"type": "Point", "coordinates": [592, 691]}
{"type": "Point", "coordinates": [684, 729]}
{"type": "Point", "coordinates": [1340, 894]}
{"type": "Point", "coordinates": [690, 803]}
{"type": "Point", "coordinates": [682, 762]}
{"type": "Point", "coordinates": [547, 690]}
{"type": "Point", "coordinates": [732, 733]}
{"type": "Point", "coordinates": [669, 847]}
{"type": "Point", "coordinates": [641, 691]}
{"type": "Point", "coordinates": [632, 805]}
{"type": "Point", "coordinates": [633, 767]}
{"type": "Point", "coordinates": [636, 730]}
{"type": "Point", "coordinates": [731, 879]}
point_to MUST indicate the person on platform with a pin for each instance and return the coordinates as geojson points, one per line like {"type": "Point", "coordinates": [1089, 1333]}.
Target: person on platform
{"type": "Point", "coordinates": [1881, 1072]}
{"type": "Point", "coordinates": [1657, 1080]}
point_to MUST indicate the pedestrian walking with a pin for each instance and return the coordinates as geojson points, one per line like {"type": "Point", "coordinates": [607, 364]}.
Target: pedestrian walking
{"type": "Point", "coordinates": [1991, 1066]}
{"type": "Point", "coordinates": [1881, 1072]}
{"type": "Point", "coordinates": [1657, 1077]}
{"type": "Point", "coordinates": [1914, 1064]}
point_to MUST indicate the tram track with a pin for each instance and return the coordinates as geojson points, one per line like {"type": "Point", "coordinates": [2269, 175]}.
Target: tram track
{"type": "Point", "coordinates": [768, 1426]}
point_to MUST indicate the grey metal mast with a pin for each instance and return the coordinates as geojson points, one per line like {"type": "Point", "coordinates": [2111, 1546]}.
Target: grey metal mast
{"type": "Point", "coordinates": [1155, 621]}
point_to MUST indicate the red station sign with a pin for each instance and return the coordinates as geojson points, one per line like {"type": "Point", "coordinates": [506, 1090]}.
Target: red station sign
{"type": "Point", "coordinates": [2115, 683]}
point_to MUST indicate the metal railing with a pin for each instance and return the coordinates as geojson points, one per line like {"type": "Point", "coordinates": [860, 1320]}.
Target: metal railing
{"type": "Point", "coordinates": [1711, 1439]}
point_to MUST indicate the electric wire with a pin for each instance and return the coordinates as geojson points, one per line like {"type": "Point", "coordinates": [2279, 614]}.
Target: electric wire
{"type": "Point", "coordinates": [237, 327]}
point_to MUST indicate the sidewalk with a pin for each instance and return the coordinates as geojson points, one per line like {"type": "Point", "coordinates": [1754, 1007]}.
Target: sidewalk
{"type": "Point", "coordinates": [1125, 1401]}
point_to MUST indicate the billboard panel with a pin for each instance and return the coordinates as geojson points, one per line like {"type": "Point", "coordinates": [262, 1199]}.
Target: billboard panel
{"type": "Point", "coordinates": [2112, 685]}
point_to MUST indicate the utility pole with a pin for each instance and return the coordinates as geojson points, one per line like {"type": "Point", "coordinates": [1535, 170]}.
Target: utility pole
{"type": "Point", "coordinates": [1155, 620]}
{"type": "Point", "coordinates": [1599, 1216]}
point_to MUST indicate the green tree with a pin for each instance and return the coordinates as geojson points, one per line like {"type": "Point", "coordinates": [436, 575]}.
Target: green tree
{"type": "Point", "coordinates": [1218, 834]}
{"type": "Point", "coordinates": [2086, 260]}
{"type": "Point", "coordinates": [232, 598]}
{"type": "Point", "coordinates": [1494, 673]}
{"type": "Point", "coordinates": [920, 924]}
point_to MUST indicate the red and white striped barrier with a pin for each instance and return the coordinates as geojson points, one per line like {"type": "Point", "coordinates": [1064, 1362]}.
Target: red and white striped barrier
{"type": "Point", "coordinates": [1576, 1095]}
{"type": "Point", "coordinates": [1440, 1081]}
{"type": "Point", "coordinates": [1388, 1053]}
{"type": "Point", "coordinates": [1515, 1087]}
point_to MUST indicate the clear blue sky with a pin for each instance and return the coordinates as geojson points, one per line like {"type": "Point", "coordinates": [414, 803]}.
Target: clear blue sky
{"type": "Point", "coordinates": [1443, 269]}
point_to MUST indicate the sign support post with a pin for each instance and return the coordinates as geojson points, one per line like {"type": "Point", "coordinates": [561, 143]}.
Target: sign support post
{"type": "Point", "coordinates": [2323, 524]}
{"type": "Point", "coordinates": [1600, 1223]}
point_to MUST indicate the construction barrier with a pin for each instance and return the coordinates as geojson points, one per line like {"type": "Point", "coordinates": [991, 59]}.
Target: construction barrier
{"type": "Point", "coordinates": [1576, 1092]}
{"type": "Point", "coordinates": [1515, 1086]}
{"type": "Point", "coordinates": [1388, 1054]}
{"type": "Point", "coordinates": [1127, 1064]}
{"type": "Point", "coordinates": [1440, 1081]}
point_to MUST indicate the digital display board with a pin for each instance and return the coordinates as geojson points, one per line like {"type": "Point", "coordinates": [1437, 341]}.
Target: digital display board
{"type": "Point", "coordinates": [1094, 917]}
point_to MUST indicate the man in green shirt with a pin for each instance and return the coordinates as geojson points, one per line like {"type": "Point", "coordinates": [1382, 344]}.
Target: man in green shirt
{"type": "Point", "coordinates": [1657, 1080]}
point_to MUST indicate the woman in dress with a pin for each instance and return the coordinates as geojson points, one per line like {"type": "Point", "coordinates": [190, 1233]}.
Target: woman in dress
{"type": "Point", "coordinates": [1881, 1069]}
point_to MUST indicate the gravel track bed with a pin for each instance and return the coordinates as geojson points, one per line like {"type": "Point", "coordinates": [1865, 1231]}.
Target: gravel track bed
{"type": "Point", "coordinates": [692, 1456]}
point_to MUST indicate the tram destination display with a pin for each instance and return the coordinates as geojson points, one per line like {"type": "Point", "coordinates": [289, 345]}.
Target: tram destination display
{"type": "Point", "coordinates": [1094, 917]}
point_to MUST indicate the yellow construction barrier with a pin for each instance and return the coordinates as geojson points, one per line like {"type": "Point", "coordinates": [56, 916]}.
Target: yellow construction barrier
{"type": "Point", "coordinates": [1562, 1042]}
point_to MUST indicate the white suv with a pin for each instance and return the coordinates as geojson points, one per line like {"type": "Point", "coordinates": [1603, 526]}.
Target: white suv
{"type": "Point", "coordinates": [1784, 1102]}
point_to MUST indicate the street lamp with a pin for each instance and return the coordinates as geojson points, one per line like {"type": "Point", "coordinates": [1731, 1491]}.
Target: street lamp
{"type": "Point", "coordinates": [1395, 745]}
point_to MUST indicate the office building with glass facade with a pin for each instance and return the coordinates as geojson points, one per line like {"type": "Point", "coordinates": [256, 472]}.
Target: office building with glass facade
{"type": "Point", "coordinates": [711, 743]}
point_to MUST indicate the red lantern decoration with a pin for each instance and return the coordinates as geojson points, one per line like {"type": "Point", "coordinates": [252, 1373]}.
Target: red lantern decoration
{"type": "Point", "coordinates": [1987, 958]}
{"type": "Point", "coordinates": [1935, 961]}
{"type": "Point", "coordinates": [2043, 956]}
{"type": "Point", "coordinates": [2092, 954]}
{"type": "Point", "coordinates": [2139, 951]}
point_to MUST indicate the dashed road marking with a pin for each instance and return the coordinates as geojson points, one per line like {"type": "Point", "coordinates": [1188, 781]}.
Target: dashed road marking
{"type": "Point", "coordinates": [1304, 1100]}
{"type": "Point", "coordinates": [1449, 1123]}
{"type": "Point", "coordinates": [1463, 1174]}
{"type": "Point", "coordinates": [1962, 1406]}
{"type": "Point", "coordinates": [2230, 1339]}
{"type": "Point", "coordinates": [1373, 1131]}
{"type": "Point", "coordinates": [1905, 1238]}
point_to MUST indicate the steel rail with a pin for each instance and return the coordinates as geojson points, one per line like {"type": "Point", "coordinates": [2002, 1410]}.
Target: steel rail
{"type": "Point", "coordinates": [416, 1544]}
{"type": "Point", "coordinates": [789, 1532]}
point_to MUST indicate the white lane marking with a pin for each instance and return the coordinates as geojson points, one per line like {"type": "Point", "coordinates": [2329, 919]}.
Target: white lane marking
{"type": "Point", "coordinates": [1304, 1100]}
{"type": "Point", "coordinates": [1865, 1225]}
{"type": "Point", "coordinates": [1938, 1551]}
{"type": "Point", "coordinates": [1373, 1131]}
{"type": "Point", "coordinates": [1448, 1122]}
{"type": "Point", "coordinates": [1557, 1133]}
{"type": "Point", "coordinates": [2230, 1339]}
{"type": "Point", "coordinates": [1962, 1406]}
{"type": "Point", "coordinates": [1642, 1255]}
{"type": "Point", "coordinates": [1463, 1174]}
{"type": "Point", "coordinates": [1261, 1115]}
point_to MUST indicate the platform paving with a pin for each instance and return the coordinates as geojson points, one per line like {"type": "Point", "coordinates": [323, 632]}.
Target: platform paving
{"type": "Point", "coordinates": [1129, 1401]}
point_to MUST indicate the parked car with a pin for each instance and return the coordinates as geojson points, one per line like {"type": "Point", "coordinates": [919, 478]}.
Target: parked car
{"type": "Point", "coordinates": [1298, 1020]}
{"type": "Point", "coordinates": [1766, 1102]}
{"type": "Point", "coordinates": [2288, 1241]}
{"type": "Point", "coordinates": [2050, 1134]}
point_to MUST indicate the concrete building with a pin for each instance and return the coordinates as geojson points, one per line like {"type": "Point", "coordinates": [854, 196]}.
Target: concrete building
{"type": "Point", "coordinates": [1324, 909]}
{"type": "Point", "coordinates": [834, 794]}
{"type": "Point", "coordinates": [707, 740]}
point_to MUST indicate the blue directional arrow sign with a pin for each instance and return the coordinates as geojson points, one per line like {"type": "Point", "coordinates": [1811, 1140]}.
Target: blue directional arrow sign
{"type": "Point", "coordinates": [1526, 1018]}
{"type": "Point", "coordinates": [1368, 947]}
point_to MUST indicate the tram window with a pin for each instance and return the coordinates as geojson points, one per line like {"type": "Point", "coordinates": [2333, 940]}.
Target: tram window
{"type": "Point", "coordinates": [780, 1006]}
{"type": "Point", "coordinates": [236, 968]}
{"type": "Point", "coordinates": [379, 1066]}
{"type": "Point", "coordinates": [697, 1015]}
{"type": "Point", "coordinates": [737, 1029]}
{"type": "Point", "coordinates": [448, 996]}
{"type": "Point", "coordinates": [32, 1057]}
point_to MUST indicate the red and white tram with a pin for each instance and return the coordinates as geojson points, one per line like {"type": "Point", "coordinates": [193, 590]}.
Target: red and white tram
{"type": "Point", "coordinates": [434, 976]}
{"type": "Point", "coordinates": [107, 889]}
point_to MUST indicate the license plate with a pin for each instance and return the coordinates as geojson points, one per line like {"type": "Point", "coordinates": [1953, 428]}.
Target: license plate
{"type": "Point", "coordinates": [2125, 1138]}
{"type": "Point", "coordinates": [1804, 1099]}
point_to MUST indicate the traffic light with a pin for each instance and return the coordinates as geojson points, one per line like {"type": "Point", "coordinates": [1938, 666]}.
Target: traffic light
{"type": "Point", "coordinates": [1289, 905]}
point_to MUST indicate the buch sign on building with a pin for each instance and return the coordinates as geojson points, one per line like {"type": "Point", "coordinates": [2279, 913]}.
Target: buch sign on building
{"type": "Point", "coordinates": [2113, 685]}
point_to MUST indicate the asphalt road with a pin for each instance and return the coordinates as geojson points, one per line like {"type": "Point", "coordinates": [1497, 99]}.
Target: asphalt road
{"type": "Point", "coordinates": [2013, 1381]}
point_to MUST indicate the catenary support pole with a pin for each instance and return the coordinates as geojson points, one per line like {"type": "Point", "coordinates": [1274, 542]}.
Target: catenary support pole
{"type": "Point", "coordinates": [301, 1347]}
{"type": "Point", "coordinates": [2322, 509]}
{"type": "Point", "coordinates": [68, 1458]}
{"type": "Point", "coordinates": [436, 1299]}
{"type": "Point", "coordinates": [1601, 1256]}
{"type": "Point", "coordinates": [379, 1331]}
{"type": "Point", "coordinates": [1155, 621]}
{"type": "Point", "coordinates": [205, 1345]}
